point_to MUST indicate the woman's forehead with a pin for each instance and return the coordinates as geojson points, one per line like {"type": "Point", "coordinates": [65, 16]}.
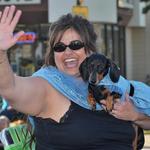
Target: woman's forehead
{"type": "Point", "coordinates": [68, 34]}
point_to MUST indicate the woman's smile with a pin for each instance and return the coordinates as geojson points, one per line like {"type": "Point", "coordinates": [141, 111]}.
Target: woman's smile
{"type": "Point", "coordinates": [71, 63]}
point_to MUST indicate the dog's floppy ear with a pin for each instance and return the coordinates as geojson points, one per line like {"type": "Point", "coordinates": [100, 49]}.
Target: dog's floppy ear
{"type": "Point", "coordinates": [84, 72]}
{"type": "Point", "coordinates": [114, 72]}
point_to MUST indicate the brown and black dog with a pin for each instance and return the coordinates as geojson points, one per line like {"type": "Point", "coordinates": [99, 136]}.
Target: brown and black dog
{"type": "Point", "coordinates": [92, 70]}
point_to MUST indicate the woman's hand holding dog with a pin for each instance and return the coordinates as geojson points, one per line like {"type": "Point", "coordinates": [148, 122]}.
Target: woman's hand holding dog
{"type": "Point", "coordinates": [123, 110]}
{"type": "Point", "coordinates": [126, 111]}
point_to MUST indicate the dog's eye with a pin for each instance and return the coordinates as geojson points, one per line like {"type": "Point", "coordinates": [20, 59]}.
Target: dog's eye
{"type": "Point", "coordinates": [100, 69]}
{"type": "Point", "coordinates": [91, 67]}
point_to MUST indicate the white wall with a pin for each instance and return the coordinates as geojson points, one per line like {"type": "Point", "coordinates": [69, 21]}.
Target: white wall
{"type": "Point", "coordinates": [136, 56]}
{"type": "Point", "coordinates": [138, 18]}
{"type": "Point", "coordinates": [99, 10]}
{"type": "Point", "coordinates": [147, 43]}
{"type": "Point", "coordinates": [139, 54]}
{"type": "Point", "coordinates": [129, 54]}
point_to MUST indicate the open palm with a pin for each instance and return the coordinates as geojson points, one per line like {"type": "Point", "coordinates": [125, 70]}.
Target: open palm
{"type": "Point", "coordinates": [8, 21]}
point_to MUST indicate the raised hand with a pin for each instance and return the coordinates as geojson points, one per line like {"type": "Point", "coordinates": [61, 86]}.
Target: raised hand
{"type": "Point", "coordinates": [8, 21]}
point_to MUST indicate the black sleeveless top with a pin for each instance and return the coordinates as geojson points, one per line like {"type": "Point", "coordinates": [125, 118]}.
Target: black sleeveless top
{"type": "Point", "coordinates": [82, 129]}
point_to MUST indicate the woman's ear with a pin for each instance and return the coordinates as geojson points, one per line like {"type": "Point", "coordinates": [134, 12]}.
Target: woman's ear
{"type": "Point", "coordinates": [84, 70]}
{"type": "Point", "coordinates": [114, 72]}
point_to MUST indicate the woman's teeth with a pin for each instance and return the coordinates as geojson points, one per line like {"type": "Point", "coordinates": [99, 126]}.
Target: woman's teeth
{"type": "Point", "coordinates": [71, 63]}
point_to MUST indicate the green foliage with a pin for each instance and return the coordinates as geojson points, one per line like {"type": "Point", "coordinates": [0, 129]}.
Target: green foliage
{"type": "Point", "coordinates": [145, 0]}
{"type": "Point", "coordinates": [147, 7]}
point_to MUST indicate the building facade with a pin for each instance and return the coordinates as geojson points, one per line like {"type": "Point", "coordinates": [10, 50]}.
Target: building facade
{"type": "Point", "coordinates": [123, 32]}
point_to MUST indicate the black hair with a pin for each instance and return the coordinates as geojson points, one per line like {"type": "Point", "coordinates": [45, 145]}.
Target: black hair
{"type": "Point", "coordinates": [78, 23]}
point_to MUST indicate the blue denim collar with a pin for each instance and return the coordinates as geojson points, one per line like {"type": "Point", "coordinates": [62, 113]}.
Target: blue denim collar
{"type": "Point", "coordinates": [74, 89]}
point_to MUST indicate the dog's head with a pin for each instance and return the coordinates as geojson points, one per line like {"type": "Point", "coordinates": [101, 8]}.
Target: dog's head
{"type": "Point", "coordinates": [96, 66]}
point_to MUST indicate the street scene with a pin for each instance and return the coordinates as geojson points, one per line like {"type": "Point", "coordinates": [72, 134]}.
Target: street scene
{"type": "Point", "coordinates": [74, 74]}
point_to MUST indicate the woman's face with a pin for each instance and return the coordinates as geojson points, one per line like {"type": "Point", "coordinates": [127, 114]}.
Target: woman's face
{"type": "Point", "coordinates": [69, 60]}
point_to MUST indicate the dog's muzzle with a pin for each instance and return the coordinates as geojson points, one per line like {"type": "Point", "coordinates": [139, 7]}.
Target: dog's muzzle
{"type": "Point", "coordinates": [93, 78]}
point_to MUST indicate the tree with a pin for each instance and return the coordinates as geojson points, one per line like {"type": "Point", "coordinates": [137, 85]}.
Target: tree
{"type": "Point", "coordinates": [147, 7]}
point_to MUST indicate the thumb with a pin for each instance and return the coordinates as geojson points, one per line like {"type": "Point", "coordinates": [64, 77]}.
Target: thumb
{"type": "Point", "coordinates": [127, 98]}
{"type": "Point", "coordinates": [103, 102]}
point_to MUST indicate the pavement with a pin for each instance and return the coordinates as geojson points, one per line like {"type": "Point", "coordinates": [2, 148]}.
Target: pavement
{"type": "Point", "coordinates": [147, 142]}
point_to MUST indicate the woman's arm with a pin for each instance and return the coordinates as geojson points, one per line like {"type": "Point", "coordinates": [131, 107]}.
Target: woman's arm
{"type": "Point", "coordinates": [26, 94]}
{"type": "Point", "coordinates": [126, 111]}
{"type": "Point", "coordinates": [143, 121]}
{"type": "Point", "coordinates": [7, 40]}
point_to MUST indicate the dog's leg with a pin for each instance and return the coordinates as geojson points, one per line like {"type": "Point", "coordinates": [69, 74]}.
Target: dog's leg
{"type": "Point", "coordinates": [136, 137]}
{"type": "Point", "coordinates": [91, 101]}
{"type": "Point", "coordinates": [109, 103]}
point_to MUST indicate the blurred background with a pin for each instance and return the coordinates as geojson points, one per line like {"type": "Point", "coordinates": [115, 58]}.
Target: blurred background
{"type": "Point", "coordinates": [122, 26]}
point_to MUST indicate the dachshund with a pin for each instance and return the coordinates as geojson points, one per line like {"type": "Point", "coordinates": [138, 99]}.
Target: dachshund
{"type": "Point", "coordinates": [93, 69]}
{"type": "Point", "coordinates": [106, 82]}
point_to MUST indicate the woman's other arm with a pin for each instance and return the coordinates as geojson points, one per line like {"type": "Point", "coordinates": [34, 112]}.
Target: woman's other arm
{"type": "Point", "coordinates": [126, 111]}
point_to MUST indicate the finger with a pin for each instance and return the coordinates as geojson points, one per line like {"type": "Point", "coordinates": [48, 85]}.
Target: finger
{"type": "Point", "coordinates": [4, 15]}
{"type": "Point", "coordinates": [113, 111]}
{"type": "Point", "coordinates": [103, 102]}
{"type": "Point", "coordinates": [115, 116]}
{"type": "Point", "coordinates": [127, 97]}
{"type": "Point", "coordinates": [117, 105]}
{"type": "Point", "coordinates": [0, 14]}
{"type": "Point", "coordinates": [10, 14]}
{"type": "Point", "coordinates": [15, 19]}
{"type": "Point", "coordinates": [117, 100]}
{"type": "Point", "coordinates": [17, 36]}
{"type": "Point", "coordinates": [104, 107]}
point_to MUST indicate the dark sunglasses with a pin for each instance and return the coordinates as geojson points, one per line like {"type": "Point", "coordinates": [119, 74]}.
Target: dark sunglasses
{"type": "Point", "coordinates": [74, 45]}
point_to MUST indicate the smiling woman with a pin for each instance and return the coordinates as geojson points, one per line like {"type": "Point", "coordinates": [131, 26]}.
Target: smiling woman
{"type": "Point", "coordinates": [69, 60]}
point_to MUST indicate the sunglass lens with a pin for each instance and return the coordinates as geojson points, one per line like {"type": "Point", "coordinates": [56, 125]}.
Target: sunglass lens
{"type": "Point", "coordinates": [75, 45]}
{"type": "Point", "coordinates": [59, 47]}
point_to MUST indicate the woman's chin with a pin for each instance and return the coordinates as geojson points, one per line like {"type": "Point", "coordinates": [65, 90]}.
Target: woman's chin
{"type": "Point", "coordinates": [75, 74]}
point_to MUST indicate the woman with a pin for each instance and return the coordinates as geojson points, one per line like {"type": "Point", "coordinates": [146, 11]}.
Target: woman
{"type": "Point", "coordinates": [60, 123]}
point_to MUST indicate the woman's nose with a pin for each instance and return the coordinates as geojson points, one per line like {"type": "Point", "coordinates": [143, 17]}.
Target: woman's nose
{"type": "Point", "coordinates": [68, 50]}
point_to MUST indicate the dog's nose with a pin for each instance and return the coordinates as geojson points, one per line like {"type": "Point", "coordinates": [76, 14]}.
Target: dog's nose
{"type": "Point", "coordinates": [92, 82]}
{"type": "Point", "coordinates": [92, 79]}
